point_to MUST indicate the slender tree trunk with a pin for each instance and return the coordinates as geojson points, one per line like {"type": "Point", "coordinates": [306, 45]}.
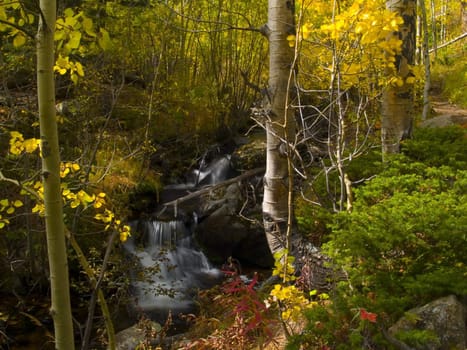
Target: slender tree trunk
{"type": "Point", "coordinates": [434, 30]}
{"type": "Point", "coordinates": [280, 126]}
{"type": "Point", "coordinates": [426, 62]}
{"type": "Point", "coordinates": [397, 104]}
{"type": "Point", "coordinates": [60, 309]}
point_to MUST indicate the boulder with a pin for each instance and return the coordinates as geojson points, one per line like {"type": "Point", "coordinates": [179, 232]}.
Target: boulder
{"type": "Point", "coordinates": [130, 338]}
{"type": "Point", "coordinates": [223, 232]}
{"type": "Point", "coordinates": [444, 323]}
{"type": "Point", "coordinates": [443, 121]}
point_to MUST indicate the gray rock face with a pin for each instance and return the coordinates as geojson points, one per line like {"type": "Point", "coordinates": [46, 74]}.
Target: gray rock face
{"type": "Point", "coordinates": [223, 232]}
{"type": "Point", "coordinates": [445, 321]}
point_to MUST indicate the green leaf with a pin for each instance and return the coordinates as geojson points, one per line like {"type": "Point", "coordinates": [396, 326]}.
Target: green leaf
{"type": "Point", "coordinates": [88, 27]}
{"type": "Point", "coordinates": [104, 40]}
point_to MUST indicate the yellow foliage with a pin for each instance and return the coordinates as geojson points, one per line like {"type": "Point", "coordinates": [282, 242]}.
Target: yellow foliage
{"type": "Point", "coordinates": [18, 144]}
{"type": "Point", "coordinates": [290, 300]}
{"type": "Point", "coordinates": [72, 198]}
{"type": "Point", "coordinates": [354, 42]}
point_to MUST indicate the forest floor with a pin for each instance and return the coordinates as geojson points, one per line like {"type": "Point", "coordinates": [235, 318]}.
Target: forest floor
{"type": "Point", "coordinates": [445, 113]}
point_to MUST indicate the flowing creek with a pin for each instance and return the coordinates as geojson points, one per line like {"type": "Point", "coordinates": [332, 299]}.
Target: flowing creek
{"type": "Point", "coordinates": [170, 267]}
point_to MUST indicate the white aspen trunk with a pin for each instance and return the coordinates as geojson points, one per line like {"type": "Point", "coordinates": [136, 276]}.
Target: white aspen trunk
{"type": "Point", "coordinates": [397, 103]}
{"type": "Point", "coordinates": [280, 127]}
{"type": "Point", "coordinates": [434, 31]}
{"type": "Point", "coordinates": [55, 228]}
{"type": "Point", "coordinates": [426, 61]}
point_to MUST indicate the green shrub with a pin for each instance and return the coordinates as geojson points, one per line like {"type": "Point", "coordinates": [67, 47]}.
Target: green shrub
{"type": "Point", "coordinates": [403, 245]}
{"type": "Point", "coordinates": [438, 146]}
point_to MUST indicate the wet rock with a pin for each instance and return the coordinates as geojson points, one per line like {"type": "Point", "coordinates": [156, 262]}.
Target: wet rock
{"type": "Point", "coordinates": [130, 338]}
{"type": "Point", "coordinates": [443, 320]}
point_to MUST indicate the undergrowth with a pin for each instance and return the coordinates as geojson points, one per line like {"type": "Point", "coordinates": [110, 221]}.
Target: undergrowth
{"type": "Point", "coordinates": [403, 245]}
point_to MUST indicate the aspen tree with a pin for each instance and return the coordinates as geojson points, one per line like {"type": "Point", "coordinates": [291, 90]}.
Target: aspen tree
{"type": "Point", "coordinates": [397, 102]}
{"type": "Point", "coordinates": [55, 227]}
{"type": "Point", "coordinates": [280, 125]}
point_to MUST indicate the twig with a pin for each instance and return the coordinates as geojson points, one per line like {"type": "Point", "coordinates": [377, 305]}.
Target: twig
{"type": "Point", "coordinates": [396, 342]}
{"type": "Point", "coordinates": [95, 295]}
{"type": "Point", "coordinates": [100, 295]}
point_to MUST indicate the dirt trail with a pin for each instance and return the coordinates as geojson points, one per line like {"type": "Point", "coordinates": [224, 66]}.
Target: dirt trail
{"type": "Point", "coordinates": [445, 113]}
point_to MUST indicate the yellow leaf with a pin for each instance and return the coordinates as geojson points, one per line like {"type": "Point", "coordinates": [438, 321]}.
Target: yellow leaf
{"type": "Point", "coordinates": [69, 12]}
{"type": "Point", "coordinates": [30, 145]}
{"type": "Point", "coordinates": [16, 135]}
{"type": "Point", "coordinates": [410, 80]}
{"type": "Point", "coordinates": [74, 41]}
{"type": "Point", "coordinates": [59, 35]}
{"type": "Point", "coordinates": [19, 40]}
{"type": "Point", "coordinates": [79, 69]}
{"type": "Point", "coordinates": [4, 203]}
{"type": "Point", "coordinates": [123, 236]}
{"type": "Point", "coordinates": [75, 167]}
{"type": "Point", "coordinates": [74, 78]}
{"type": "Point", "coordinates": [17, 203]}
{"type": "Point", "coordinates": [10, 210]}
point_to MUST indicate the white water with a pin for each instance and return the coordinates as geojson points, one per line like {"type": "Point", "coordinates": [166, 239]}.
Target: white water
{"type": "Point", "coordinates": [171, 269]}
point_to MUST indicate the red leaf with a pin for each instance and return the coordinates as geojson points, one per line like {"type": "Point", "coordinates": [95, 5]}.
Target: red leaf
{"type": "Point", "coordinates": [370, 316]}
{"type": "Point", "coordinates": [253, 282]}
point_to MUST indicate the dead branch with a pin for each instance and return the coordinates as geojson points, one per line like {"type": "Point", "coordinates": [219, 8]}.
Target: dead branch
{"type": "Point", "coordinates": [210, 188]}
{"type": "Point", "coordinates": [447, 43]}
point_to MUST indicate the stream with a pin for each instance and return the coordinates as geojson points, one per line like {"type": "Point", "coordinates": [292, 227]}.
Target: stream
{"type": "Point", "coordinates": [169, 266]}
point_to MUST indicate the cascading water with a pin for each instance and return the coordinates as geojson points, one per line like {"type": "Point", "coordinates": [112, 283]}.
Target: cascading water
{"type": "Point", "coordinates": [170, 267]}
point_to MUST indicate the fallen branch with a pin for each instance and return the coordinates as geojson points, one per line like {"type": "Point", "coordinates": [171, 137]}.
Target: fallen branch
{"type": "Point", "coordinates": [462, 36]}
{"type": "Point", "coordinates": [210, 188]}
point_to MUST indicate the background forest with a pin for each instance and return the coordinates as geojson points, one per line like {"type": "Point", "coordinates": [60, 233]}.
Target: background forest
{"type": "Point", "coordinates": [144, 88]}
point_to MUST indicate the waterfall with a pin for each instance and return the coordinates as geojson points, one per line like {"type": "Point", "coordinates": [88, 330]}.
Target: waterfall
{"type": "Point", "coordinates": [170, 268]}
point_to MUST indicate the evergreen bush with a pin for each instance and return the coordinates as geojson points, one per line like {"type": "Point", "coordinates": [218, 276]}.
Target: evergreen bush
{"type": "Point", "coordinates": [403, 245]}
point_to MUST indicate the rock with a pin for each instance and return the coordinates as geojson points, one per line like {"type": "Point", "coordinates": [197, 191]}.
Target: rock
{"type": "Point", "coordinates": [444, 121]}
{"type": "Point", "coordinates": [130, 338]}
{"type": "Point", "coordinates": [223, 232]}
{"type": "Point", "coordinates": [445, 321]}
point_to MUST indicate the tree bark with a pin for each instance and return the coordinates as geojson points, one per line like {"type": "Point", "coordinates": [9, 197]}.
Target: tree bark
{"type": "Point", "coordinates": [397, 103]}
{"type": "Point", "coordinates": [426, 62]}
{"type": "Point", "coordinates": [280, 128]}
{"type": "Point", "coordinates": [55, 228]}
